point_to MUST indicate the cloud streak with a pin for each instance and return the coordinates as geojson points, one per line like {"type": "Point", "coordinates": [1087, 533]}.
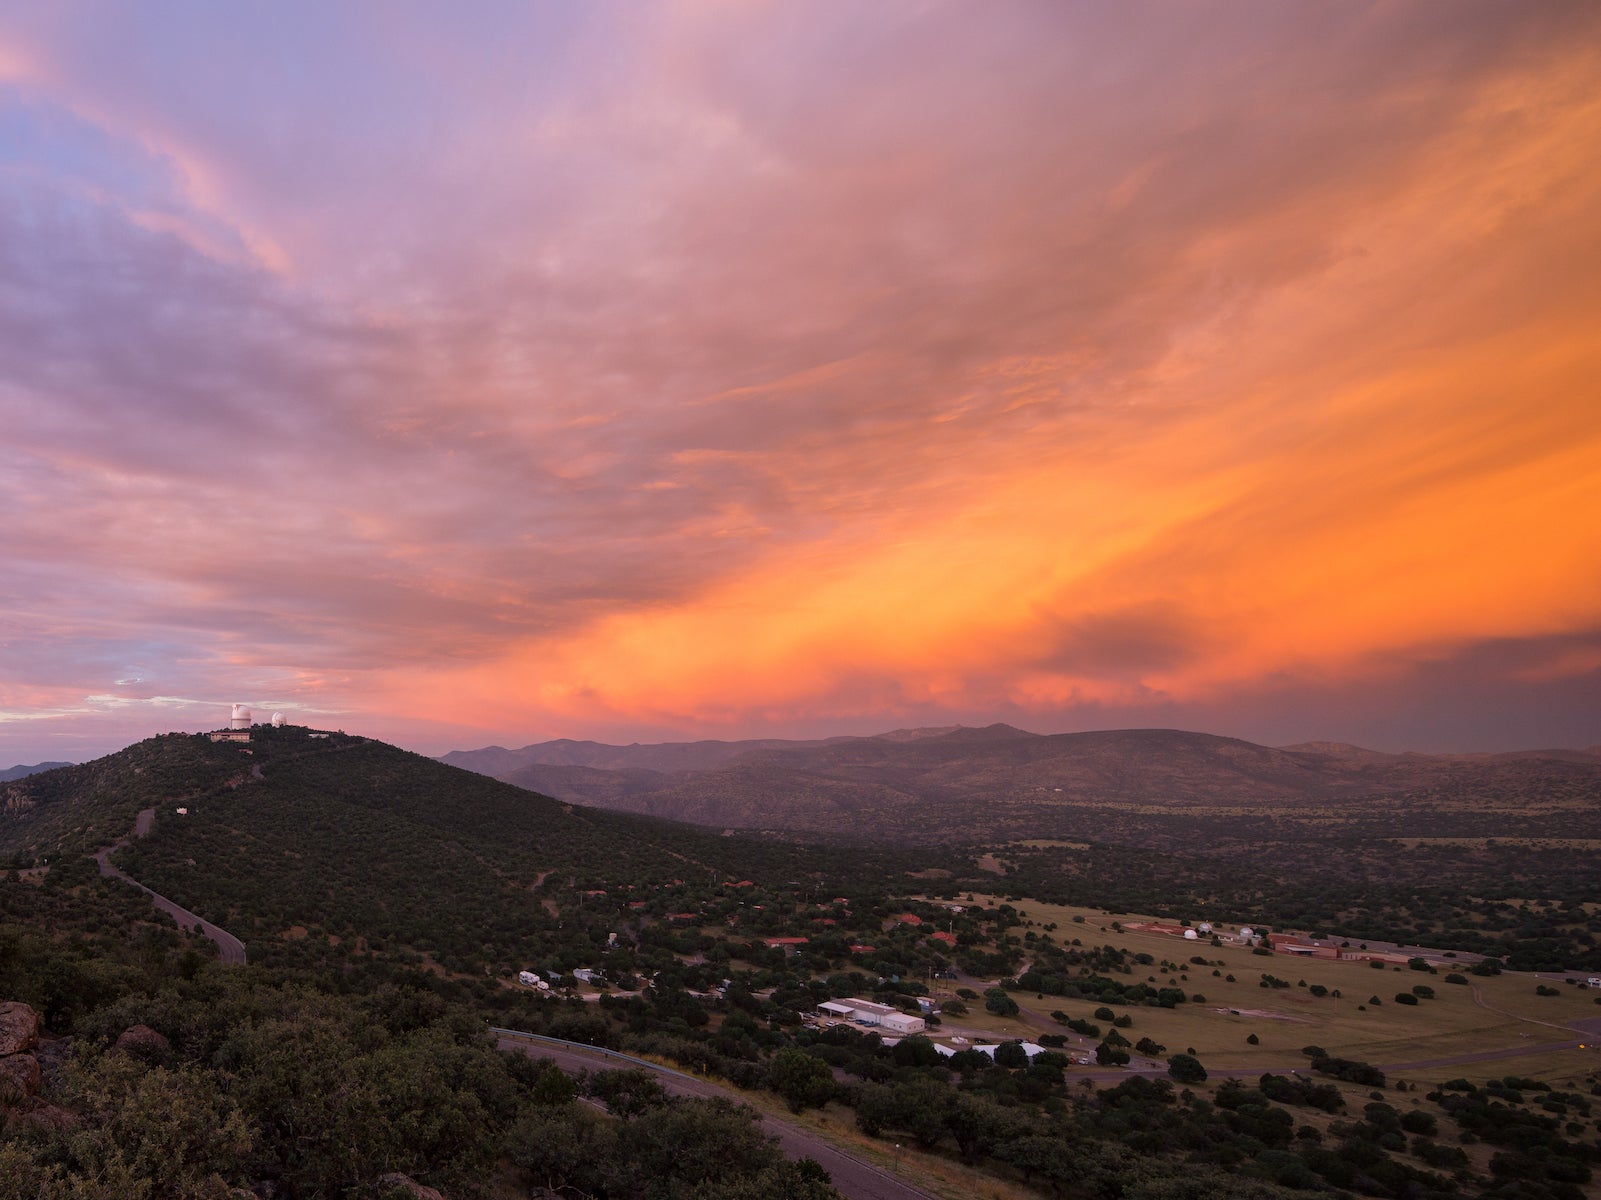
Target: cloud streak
{"type": "Point", "coordinates": [718, 369]}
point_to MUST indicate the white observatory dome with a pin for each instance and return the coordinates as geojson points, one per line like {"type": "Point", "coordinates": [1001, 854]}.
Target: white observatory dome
{"type": "Point", "coordinates": [1206, 927]}
{"type": "Point", "coordinates": [240, 718]}
{"type": "Point", "coordinates": [1246, 933]}
{"type": "Point", "coordinates": [277, 720]}
{"type": "Point", "coordinates": [1190, 935]}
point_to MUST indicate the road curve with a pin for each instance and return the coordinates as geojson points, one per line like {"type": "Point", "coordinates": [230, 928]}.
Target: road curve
{"type": "Point", "coordinates": [229, 948]}
{"type": "Point", "coordinates": [852, 1176]}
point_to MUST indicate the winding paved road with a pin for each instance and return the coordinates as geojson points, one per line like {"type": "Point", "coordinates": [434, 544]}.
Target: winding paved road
{"type": "Point", "coordinates": [854, 1177]}
{"type": "Point", "coordinates": [229, 948]}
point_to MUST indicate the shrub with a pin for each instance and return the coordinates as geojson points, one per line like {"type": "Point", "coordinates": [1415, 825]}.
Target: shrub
{"type": "Point", "coordinates": [998, 1002]}
{"type": "Point", "coordinates": [1418, 1121]}
{"type": "Point", "coordinates": [1111, 1056]}
{"type": "Point", "coordinates": [1405, 998]}
{"type": "Point", "coordinates": [1186, 1068]}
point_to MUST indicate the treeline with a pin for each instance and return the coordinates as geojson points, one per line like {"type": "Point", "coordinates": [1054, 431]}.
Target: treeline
{"type": "Point", "coordinates": [1523, 904]}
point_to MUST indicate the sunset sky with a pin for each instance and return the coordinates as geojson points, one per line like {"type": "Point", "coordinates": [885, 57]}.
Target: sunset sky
{"type": "Point", "coordinates": [493, 372]}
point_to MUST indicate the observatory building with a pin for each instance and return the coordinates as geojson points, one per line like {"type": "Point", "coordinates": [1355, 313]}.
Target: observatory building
{"type": "Point", "coordinates": [238, 727]}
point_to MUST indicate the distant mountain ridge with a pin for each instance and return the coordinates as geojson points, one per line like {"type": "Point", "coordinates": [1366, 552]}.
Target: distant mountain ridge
{"type": "Point", "coordinates": [21, 772]}
{"type": "Point", "coordinates": [972, 782]}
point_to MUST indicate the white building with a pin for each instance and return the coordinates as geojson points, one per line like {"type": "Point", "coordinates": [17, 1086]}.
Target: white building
{"type": "Point", "coordinates": [1029, 1048]}
{"type": "Point", "coordinates": [866, 1012]}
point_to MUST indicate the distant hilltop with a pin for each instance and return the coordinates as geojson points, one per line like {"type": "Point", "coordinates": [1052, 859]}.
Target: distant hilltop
{"type": "Point", "coordinates": [11, 773]}
{"type": "Point", "coordinates": [998, 781]}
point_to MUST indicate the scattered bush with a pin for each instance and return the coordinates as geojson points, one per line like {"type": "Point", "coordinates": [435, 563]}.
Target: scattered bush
{"type": "Point", "coordinates": [1186, 1068]}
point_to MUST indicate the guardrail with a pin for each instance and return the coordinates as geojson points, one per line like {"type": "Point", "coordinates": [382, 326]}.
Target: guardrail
{"type": "Point", "coordinates": [618, 1054]}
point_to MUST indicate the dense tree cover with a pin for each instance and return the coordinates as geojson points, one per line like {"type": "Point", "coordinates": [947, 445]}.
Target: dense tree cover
{"type": "Point", "coordinates": [77, 809]}
{"type": "Point", "coordinates": [1523, 903]}
{"type": "Point", "coordinates": [317, 852]}
{"type": "Point", "coordinates": [661, 1149]}
{"type": "Point", "coordinates": [260, 1077]}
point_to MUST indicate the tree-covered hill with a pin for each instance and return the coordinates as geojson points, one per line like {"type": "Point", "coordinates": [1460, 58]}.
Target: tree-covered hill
{"type": "Point", "coordinates": [79, 808]}
{"type": "Point", "coordinates": [311, 847]}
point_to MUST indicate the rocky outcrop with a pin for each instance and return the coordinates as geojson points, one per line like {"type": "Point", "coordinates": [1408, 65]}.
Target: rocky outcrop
{"type": "Point", "coordinates": [19, 1028]}
{"type": "Point", "coordinates": [19, 1070]}
{"type": "Point", "coordinates": [49, 1119]}
{"type": "Point", "coordinates": [406, 1185]}
{"type": "Point", "coordinates": [19, 1078]}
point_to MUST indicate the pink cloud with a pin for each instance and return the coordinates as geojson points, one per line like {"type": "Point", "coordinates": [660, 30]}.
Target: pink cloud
{"type": "Point", "coordinates": [717, 368]}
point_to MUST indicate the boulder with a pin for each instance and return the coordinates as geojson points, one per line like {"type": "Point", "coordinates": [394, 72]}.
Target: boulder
{"type": "Point", "coordinates": [19, 1078]}
{"type": "Point", "coordinates": [51, 1119]}
{"type": "Point", "coordinates": [19, 1028]}
{"type": "Point", "coordinates": [145, 1044]}
{"type": "Point", "coordinates": [409, 1185]}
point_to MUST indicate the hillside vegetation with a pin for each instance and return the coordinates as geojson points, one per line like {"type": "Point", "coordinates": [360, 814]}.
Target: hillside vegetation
{"type": "Point", "coordinates": [389, 902]}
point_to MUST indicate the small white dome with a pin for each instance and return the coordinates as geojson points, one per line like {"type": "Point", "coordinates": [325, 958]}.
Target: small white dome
{"type": "Point", "coordinates": [277, 720]}
{"type": "Point", "coordinates": [1190, 935]}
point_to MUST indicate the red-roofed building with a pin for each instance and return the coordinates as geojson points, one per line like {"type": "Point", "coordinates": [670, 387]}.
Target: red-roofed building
{"type": "Point", "coordinates": [948, 938]}
{"type": "Point", "coordinates": [909, 919]}
{"type": "Point", "coordinates": [863, 949]}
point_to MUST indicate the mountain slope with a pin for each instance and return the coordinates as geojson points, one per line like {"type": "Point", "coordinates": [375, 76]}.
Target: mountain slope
{"type": "Point", "coordinates": [967, 784]}
{"type": "Point", "coordinates": [316, 848]}
{"type": "Point", "coordinates": [22, 772]}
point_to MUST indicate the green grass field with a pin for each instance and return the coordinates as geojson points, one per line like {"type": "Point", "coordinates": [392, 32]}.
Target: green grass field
{"type": "Point", "coordinates": [1494, 1013]}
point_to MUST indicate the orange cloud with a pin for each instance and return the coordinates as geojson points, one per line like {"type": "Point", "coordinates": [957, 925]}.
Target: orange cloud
{"type": "Point", "coordinates": [1374, 459]}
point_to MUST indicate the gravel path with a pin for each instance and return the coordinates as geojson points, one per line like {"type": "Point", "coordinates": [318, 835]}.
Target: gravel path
{"type": "Point", "coordinates": [852, 1176]}
{"type": "Point", "coordinates": [229, 948]}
